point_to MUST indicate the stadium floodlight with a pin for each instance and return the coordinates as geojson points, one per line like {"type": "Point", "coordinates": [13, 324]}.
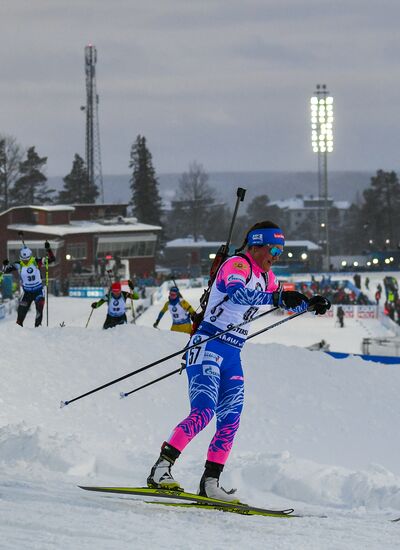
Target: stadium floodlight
{"type": "Point", "coordinates": [322, 121]}
{"type": "Point", "coordinates": [322, 143]}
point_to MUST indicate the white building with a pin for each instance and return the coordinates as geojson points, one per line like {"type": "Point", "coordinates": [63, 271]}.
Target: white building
{"type": "Point", "coordinates": [301, 208]}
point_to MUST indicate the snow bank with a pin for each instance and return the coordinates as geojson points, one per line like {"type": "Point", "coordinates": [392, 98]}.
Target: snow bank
{"type": "Point", "coordinates": [314, 430]}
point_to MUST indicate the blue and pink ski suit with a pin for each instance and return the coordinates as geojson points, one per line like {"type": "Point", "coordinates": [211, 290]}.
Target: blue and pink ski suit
{"type": "Point", "coordinates": [214, 369]}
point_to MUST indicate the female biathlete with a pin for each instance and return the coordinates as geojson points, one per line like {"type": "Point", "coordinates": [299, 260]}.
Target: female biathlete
{"type": "Point", "coordinates": [216, 385]}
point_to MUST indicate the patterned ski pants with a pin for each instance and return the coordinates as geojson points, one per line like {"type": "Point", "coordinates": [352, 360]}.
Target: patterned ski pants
{"type": "Point", "coordinates": [216, 386]}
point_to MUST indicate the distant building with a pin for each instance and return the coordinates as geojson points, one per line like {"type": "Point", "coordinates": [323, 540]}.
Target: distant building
{"type": "Point", "coordinates": [81, 235]}
{"type": "Point", "coordinates": [301, 208]}
{"type": "Point", "coordinates": [189, 258]}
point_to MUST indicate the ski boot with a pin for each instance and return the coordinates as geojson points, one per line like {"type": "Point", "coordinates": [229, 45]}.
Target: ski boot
{"type": "Point", "coordinates": [209, 484]}
{"type": "Point", "coordinates": [160, 476]}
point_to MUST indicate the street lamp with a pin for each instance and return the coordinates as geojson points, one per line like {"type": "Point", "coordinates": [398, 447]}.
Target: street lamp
{"type": "Point", "coordinates": [322, 144]}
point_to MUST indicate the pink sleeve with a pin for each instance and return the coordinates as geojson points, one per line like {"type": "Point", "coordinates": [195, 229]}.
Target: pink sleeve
{"type": "Point", "coordinates": [273, 283]}
{"type": "Point", "coordinates": [234, 272]}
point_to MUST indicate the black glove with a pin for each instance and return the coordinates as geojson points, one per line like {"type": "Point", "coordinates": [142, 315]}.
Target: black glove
{"type": "Point", "coordinates": [319, 304]}
{"type": "Point", "coordinates": [130, 284]}
{"type": "Point", "coordinates": [94, 305]}
{"type": "Point", "coordinates": [47, 245]}
{"type": "Point", "coordinates": [289, 299]}
{"type": "Point", "coordinates": [5, 262]}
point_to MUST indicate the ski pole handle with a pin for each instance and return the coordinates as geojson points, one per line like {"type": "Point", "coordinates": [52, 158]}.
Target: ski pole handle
{"type": "Point", "coordinates": [21, 236]}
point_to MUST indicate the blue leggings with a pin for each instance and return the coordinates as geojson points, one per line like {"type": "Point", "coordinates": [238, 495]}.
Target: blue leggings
{"type": "Point", "coordinates": [216, 386]}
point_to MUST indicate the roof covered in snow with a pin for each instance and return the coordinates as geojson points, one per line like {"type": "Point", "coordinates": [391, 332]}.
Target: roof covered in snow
{"type": "Point", "coordinates": [83, 227]}
{"type": "Point", "coordinates": [189, 242]}
{"type": "Point", "coordinates": [45, 207]}
{"type": "Point", "coordinates": [297, 203]}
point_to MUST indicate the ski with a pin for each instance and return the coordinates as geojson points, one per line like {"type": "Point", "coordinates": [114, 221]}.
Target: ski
{"type": "Point", "coordinates": [244, 510]}
{"type": "Point", "coordinates": [192, 500]}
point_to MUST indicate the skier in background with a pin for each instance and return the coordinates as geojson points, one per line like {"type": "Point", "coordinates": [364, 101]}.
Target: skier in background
{"type": "Point", "coordinates": [180, 311]}
{"type": "Point", "coordinates": [216, 384]}
{"type": "Point", "coordinates": [28, 268]}
{"type": "Point", "coordinates": [116, 300]}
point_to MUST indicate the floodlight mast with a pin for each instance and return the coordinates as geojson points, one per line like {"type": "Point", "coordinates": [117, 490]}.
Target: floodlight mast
{"type": "Point", "coordinates": [322, 144]}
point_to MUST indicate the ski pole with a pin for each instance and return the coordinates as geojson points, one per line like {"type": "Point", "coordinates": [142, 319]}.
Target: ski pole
{"type": "Point", "coordinates": [21, 236]}
{"type": "Point", "coordinates": [91, 313]}
{"type": "Point", "coordinates": [163, 359]}
{"type": "Point", "coordinates": [47, 290]}
{"type": "Point", "coordinates": [133, 312]}
{"type": "Point", "coordinates": [125, 394]}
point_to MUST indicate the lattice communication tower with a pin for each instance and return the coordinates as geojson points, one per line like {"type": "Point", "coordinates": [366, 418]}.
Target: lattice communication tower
{"type": "Point", "coordinates": [93, 151]}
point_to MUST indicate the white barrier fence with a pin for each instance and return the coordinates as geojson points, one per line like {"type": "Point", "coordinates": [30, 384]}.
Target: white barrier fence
{"type": "Point", "coordinates": [355, 312]}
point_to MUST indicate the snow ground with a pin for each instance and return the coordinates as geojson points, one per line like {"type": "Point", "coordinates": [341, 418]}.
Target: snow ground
{"type": "Point", "coordinates": [316, 434]}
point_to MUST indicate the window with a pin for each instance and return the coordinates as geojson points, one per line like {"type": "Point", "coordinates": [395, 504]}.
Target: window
{"type": "Point", "coordinates": [127, 249]}
{"type": "Point", "coordinates": [77, 251]}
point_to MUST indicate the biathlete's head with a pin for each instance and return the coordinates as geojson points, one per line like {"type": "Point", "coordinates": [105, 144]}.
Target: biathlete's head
{"type": "Point", "coordinates": [173, 293]}
{"type": "Point", "coordinates": [264, 241]}
{"type": "Point", "coordinates": [25, 254]}
{"type": "Point", "coordinates": [116, 288]}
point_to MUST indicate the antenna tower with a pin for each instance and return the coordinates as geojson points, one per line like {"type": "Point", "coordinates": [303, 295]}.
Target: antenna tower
{"type": "Point", "coordinates": [93, 151]}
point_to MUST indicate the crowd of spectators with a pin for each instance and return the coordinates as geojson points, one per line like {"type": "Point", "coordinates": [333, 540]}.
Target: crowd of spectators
{"type": "Point", "coordinates": [342, 292]}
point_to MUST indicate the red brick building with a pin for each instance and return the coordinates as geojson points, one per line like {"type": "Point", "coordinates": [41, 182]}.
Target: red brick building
{"type": "Point", "coordinates": [80, 233]}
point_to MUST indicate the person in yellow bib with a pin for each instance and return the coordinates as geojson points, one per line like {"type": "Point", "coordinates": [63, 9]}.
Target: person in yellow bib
{"type": "Point", "coordinates": [28, 267]}
{"type": "Point", "coordinates": [180, 311]}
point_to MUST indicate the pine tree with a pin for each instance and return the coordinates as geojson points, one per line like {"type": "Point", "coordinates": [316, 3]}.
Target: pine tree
{"type": "Point", "coordinates": [77, 188]}
{"type": "Point", "coordinates": [31, 187]}
{"type": "Point", "coordinates": [146, 199]}
{"type": "Point", "coordinates": [10, 157]}
{"type": "Point", "coordinates": [379, 213]}
{"type": "Point", "coordinates": [260, 209]}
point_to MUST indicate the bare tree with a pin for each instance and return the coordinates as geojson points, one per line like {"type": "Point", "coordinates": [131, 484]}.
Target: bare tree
{"type": "Point", "coordinates": [193, 201]}
{"type": "Point", "coordinates": [11, 154]}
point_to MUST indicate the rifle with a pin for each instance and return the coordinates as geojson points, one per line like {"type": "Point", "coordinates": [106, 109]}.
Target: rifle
{"type": "Point", "coordinates": [221, 255]}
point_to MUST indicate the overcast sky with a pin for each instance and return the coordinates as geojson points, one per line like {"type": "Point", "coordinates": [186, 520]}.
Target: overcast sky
{"type": "Point", "coordinates": [224, 82]}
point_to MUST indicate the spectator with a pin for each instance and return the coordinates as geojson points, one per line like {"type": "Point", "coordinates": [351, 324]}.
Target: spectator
{"type": "Point", "coordinates": [340, 316]}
